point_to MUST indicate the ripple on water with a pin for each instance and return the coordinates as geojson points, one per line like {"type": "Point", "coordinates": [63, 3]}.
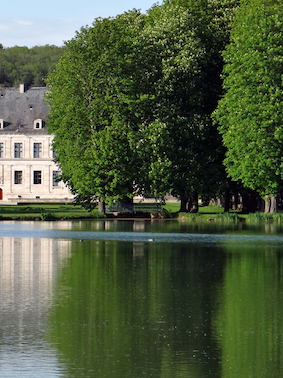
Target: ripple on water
{"type": "Point", "coordinates": [24, 360]}
{"type": "Point", "coordinates": [39, 230]}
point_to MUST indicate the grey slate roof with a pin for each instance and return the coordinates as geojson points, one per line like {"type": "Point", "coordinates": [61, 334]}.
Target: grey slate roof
{"type": "Point", "coordinates": [19, 110]}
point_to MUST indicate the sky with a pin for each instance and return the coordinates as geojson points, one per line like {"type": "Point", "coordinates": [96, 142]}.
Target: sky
{"type": "Point", "coordinates": [37, 22]}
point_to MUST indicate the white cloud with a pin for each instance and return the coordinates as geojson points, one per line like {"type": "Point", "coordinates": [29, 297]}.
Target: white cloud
{"type": "Point", "coordinates": [23, 22]}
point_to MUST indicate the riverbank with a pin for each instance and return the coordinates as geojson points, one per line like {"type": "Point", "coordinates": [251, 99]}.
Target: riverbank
{"type": "Point", "coordinates": [42, 212]}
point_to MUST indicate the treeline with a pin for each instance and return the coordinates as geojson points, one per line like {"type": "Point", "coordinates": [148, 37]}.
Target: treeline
{"type": "Point", "coordinates": [30, 66]}
{"type": "Point", "coordinates": [249, 116]}
{"type": "Point", "coordinates": [135, 103]}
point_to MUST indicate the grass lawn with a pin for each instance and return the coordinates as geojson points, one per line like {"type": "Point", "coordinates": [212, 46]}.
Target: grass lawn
{"type": "Point", "coordinates": [41, 211]}
{"type": "Point", "coordinates": [217, 213]}
{"type": "Point", "coordinates": [174, 207]}
{"type": "Point", "coordinates": [211, 210]}
{"type": "Point", "coordinates": [44, 212]}
{"type": "Point", "coordinates": [205, 213]}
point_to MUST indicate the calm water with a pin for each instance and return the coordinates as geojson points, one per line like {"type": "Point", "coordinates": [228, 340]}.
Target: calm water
{"type": "Point", "coordinates": [200, 300]}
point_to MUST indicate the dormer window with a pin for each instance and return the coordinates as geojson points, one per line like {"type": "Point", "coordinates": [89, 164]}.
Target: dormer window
{"type": "Point", "coordinates": [38, 124]}
{"type": "Point", "coordinates": [2, 123]}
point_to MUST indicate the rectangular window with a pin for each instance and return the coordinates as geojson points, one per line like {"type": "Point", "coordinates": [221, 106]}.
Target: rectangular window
{"type": "Point", "coordinates": [37, 177]}
{"type": "Point", "coordinates": [18, 177]}
{"type": "Point", "coordinates": [1, 150]}
{"type": "Point", "coordinates": [18, 150]}
{"type": "Point", "coordinates": [55, 178]}
{"type": "Point", "coordinates": [37, 150]}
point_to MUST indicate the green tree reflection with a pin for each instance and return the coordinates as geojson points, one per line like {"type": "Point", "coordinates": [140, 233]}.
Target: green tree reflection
{"type": "Point", "coordinates": [136, 309]}
{"type": "Point", "coordinates": [249, 323]}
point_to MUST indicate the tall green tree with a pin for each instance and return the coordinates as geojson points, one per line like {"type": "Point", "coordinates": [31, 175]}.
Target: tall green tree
{"type": "Point", "coordinates": [149, 83]}
{"type": "Point", "coordinates": [175, 76]}
{"type": "Point", "coordinates": [92, 114]}
{"type": "Point", "coordinates": [215, 17]}
{"type": "Point", "coordinates": [250, 113]}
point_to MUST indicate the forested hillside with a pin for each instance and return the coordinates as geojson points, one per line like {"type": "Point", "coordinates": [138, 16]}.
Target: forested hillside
{"type": "Point", "coordinates": [30, 66]}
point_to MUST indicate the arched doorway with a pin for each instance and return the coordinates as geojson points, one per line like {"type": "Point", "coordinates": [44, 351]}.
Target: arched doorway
{"type": "Point", "coordinates": [1, 194]}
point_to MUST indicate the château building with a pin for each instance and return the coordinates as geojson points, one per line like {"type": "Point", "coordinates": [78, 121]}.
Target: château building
{"type": "Point", "coordinates": [27, 170]}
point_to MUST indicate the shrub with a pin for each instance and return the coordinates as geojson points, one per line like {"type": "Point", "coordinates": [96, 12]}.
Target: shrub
{"type": "Point", "coordinates": [97, 214]}
{"type": "Point", "coordinates": [228, 217]}
{"type": "Point", "coordinates": [191, 216]}
{"type": "Point", "coordinates": [265, 217]}
{"type": "Point", "coordinates": [47, 215]}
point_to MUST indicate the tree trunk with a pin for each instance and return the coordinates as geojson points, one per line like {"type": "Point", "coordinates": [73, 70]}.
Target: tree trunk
{"type": "Point", "coordinates": [273, 205]}
{"type": "Point", "coordinates": [253, 201]}
{"type": "Point", "coordinates": [245, 203]}
{"type": "Point", "coordinates": [267, 204]}
{"type": "Point", "coordinates": [101, 207]}
{"type": "Point", "coordinates": [184, 205]}
{"type": "Point", "coordinates": [213, 202]}
{"type": "Point", "coordinates": [235, 202]}
{"type": "Point", "coordinates": [193, 207]}
{"type": "Point", "coordinates": [249, 201]}
{"type": "Point", "coordinates": [227, 200]}
{"type": "Point", "coordinates": [261, 205]}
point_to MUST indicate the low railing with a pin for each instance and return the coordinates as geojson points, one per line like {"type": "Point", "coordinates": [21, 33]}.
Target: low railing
{"type": "Point", "coordinates": [134, 208]}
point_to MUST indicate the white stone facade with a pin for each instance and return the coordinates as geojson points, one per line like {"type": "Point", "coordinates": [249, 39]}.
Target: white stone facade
{"type": "Point", "coordinates": [27, 170]}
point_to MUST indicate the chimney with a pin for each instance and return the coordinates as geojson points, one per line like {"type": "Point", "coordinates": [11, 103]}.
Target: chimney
{"type": "Point", "coordinates": [22, 88]}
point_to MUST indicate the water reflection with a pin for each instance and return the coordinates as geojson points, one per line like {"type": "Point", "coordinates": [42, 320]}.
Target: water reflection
{"type": "Point", "coordinates": [249, 323]}
{"type": "Point", "coordinates": [140, 231]}
{"type": "Point", "coordinates": [134, 309]}
{"type": "Point", "coordinates": [28, 268]}
{"type": "Point", "coordinates": [195, 303]}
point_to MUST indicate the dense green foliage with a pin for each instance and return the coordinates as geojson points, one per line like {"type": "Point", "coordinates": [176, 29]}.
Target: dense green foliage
{"type": "Point", "coordinates": [30, 66]}
{"type": "Point", "coordinates": [179, 67]}
{"type": "Point", "coordinates": [250, 113]}
{"type": "Point", "coordinates": [92, 116]}
{"type": "Point", "coordinates": [132, 96]}
{"type": "Point", "coordinates": [138, 91]}
{"type": "Point", "coordinates": [170, 72]}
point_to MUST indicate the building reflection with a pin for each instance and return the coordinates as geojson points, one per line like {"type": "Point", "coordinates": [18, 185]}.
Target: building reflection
{"type": "Point", "coordinates": [139, 225]}
{"type": "Point", "coordinates": [28, 268]}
